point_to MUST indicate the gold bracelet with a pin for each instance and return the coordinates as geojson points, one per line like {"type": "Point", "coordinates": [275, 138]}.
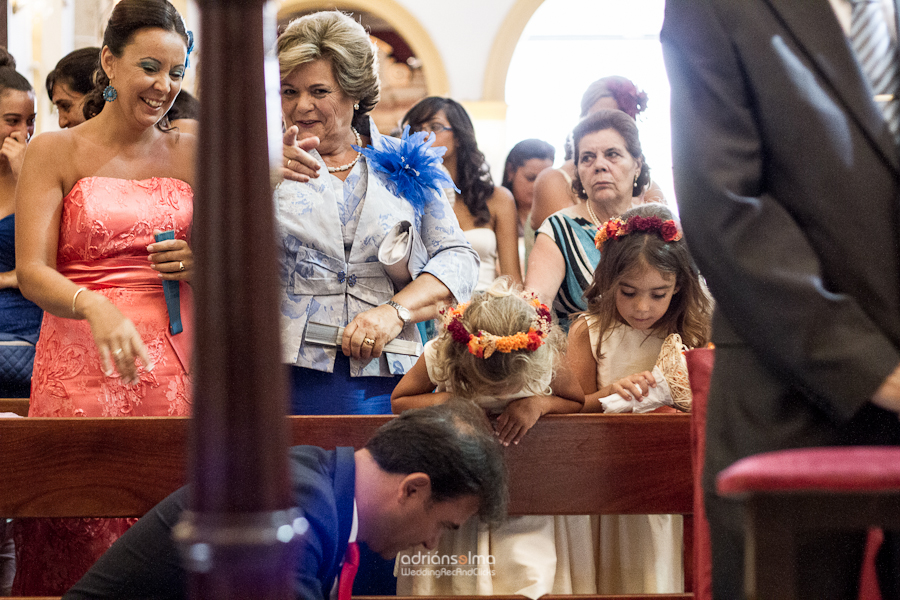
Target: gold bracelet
{"type": "Point", "coordinates": [75, 297]}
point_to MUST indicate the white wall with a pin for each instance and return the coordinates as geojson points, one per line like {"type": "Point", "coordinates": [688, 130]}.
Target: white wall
{"type": "Point", "coordinates": [463, 32]}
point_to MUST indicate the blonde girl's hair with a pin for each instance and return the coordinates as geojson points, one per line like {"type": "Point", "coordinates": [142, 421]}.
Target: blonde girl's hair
{"type": "Point", "coordinates": [690, 311]}
{"type": "Point", "coordinates": [344, 43]}
{"type": "Point", "coordinates": [501, 310]}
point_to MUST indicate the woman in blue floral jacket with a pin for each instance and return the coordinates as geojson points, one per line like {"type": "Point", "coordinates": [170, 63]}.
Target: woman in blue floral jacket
{"type": "Point", "coordinates": [333, 223]}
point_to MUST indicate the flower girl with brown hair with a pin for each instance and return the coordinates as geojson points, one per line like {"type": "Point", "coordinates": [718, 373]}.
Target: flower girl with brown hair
{"type": "Point", "coordinates": [646, 303]}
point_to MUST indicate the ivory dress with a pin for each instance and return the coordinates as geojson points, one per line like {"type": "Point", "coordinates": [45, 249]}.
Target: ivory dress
{"type": "Point", "coordinates": [105, 228]}
{"type": "Point", "coordinates": [484, 242]}
{"type": "Point", "coordinates": [636, 554]}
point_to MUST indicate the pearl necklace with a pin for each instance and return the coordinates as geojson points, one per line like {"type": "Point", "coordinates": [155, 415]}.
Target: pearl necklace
{"type": "Point", "coordinates": [594, 218]}
{"type": "Point", "coordinates": [350, 164]}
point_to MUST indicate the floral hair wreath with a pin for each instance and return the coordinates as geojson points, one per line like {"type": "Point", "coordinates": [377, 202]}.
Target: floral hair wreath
{"type": "Point", "coordinates": [483, 344]}
{"type": "Point", "coordinates": [617, 228]}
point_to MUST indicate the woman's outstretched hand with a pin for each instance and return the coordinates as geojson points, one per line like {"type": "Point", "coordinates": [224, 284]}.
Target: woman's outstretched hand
{"type": "Point", "coordinates": [116, 337]}
{"type": "Point", "coordinates": [298, 164]}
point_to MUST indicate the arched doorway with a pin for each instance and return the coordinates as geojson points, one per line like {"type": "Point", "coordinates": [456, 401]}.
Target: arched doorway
{"type": "Point", "coordinates": [566, 45]}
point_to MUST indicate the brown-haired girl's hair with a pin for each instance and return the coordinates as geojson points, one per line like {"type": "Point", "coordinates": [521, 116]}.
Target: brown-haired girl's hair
{"type": "Point", "coordinates": [690, 310]}
{"type": "Point", "coordinates": [473, 174]}
{"type": "Point", "coordinates": [129, 17]}
{"type": "Point", "coordinates": [500, 310]}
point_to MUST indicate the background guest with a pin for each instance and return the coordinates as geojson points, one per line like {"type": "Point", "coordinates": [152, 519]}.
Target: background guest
{"type": "Point", "coordinates": [610, 173]}
{"type": "Point", "coordinates": [553, 189]}
{"type": "Point", "coordinates": [70, 82]}
{"type": "Point", "coordinates": [89, 201]}
{"type": "Point", "coordinates": [18, 317]}
{"type": "Point", "coordinates": [185, 113]}
{"type": "Point", "coordinates": [486, 213]}
{"type": "Point", "coordinates": [524, 163]}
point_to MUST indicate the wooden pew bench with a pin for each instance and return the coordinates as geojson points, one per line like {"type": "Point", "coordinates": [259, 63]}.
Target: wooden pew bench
{"type": "Point", "coordinates": [14, 405]}
{"type": "Point", "coordinates": [566, 465]}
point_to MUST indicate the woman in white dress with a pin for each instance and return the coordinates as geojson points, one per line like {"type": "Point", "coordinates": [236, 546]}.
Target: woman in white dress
{"type": "Point", "coordinates": [486, 213]}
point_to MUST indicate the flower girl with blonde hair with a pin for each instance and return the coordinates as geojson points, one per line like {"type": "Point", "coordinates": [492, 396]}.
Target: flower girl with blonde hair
{"type": "Point", "coordinates": [504, 352]}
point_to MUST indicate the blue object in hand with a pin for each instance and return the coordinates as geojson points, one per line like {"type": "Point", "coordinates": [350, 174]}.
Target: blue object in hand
{"type": "Point", "coordinates": [170, 289]}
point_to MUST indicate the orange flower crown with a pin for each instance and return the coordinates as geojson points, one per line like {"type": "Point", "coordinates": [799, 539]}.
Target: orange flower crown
{"type": "Point", "coordinates": [617, 228]}
{"type": "Point", "coordinates": [483, 344]}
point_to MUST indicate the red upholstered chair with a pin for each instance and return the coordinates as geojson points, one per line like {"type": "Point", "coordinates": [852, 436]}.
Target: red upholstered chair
{"type": "Point", "coordinates": [835, 487]}
{"type": "Point", "coordinates": [700, 363]}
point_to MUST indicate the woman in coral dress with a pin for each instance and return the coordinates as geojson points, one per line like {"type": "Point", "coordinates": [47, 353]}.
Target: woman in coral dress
{"type": "Point", "coordinates": [89, 203]}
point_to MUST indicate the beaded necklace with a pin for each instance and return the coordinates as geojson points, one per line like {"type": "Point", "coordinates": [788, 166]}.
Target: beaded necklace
{"type": "Point", "coordinates": [350, 164]}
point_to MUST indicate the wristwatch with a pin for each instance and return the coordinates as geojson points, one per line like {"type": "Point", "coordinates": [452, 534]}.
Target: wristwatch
{"type": "Point", "coordinates": [402, 312]}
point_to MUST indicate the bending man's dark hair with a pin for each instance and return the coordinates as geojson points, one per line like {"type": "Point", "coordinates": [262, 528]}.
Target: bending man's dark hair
{"type": "Point", "coordinates": [453, 444]}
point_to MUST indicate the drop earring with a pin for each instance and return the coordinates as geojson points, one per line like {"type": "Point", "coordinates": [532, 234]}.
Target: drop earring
{"type": "Point", "coordinates": [110, 93]}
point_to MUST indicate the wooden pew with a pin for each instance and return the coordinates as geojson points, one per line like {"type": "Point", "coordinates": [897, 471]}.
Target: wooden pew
{"type": "Point", "coordinates": [14, 405]}
{"type": "Point", "coordinates": [567, 464]}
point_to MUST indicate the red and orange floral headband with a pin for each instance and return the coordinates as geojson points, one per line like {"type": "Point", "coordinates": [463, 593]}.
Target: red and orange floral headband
{"type": "Point", "coordinates": [618, 228]}
{"type": "Point", "coordinates": [483, 344]}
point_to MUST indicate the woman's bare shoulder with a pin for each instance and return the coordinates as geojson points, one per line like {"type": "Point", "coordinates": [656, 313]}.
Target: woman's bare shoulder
{"type": "Point", "coordinates": [182, 150]}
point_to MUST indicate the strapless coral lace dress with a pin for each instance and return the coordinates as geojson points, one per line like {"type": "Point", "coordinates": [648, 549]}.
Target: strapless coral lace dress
{"type": "Point", "coordinates": [105, 228]}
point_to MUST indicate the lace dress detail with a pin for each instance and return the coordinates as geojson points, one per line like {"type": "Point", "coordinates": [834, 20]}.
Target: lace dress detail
{"type": "Point", "coordinates": [105, 228]}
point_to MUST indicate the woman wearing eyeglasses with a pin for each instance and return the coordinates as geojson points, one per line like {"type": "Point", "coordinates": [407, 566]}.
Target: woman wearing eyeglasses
{"type": "Point", "coordinates": [486, 213]}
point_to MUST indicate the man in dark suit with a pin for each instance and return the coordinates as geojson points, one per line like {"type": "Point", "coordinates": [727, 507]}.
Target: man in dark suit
{"type": "Point", "coordinates": [422, 473]}
{"type": "Point", "coordinates": [788, 183]}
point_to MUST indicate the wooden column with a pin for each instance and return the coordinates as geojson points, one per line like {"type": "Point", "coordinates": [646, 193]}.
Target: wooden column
{"type": "Point", "coordinates": [237, 538]}
{"type": "Point", "coordinates": [4, 23]}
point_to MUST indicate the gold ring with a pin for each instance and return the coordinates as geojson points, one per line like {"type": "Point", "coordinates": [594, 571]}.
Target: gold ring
{"type": "Point", "coordinates": [117, 352]}
{"type": "Point", "coordinates": [290, 160]}
{"type": "Point", "coordinates": [181, 265]}
{"type": "Point", "coordinates": [369, 342]}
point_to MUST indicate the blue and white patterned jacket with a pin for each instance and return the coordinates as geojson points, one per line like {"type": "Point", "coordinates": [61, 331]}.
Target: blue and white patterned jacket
{"type": "Point", "coordinates": [321, 285]}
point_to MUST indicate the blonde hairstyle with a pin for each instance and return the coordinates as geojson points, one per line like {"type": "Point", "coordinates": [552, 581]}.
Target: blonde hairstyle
{"type": "Point", "coordinates": [337, 38]}
{"type": "Point", "coordinates": [500, 310]}
{"type": "Point", "coordinates": [690, 310]}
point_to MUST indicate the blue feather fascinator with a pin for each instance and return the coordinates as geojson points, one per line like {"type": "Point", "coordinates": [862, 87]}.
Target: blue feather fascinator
{"type": "Point", "coordinates": [411, 166]}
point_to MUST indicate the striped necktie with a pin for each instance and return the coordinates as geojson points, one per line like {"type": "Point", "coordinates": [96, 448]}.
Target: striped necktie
{"type": "Point", "coordinates": [877, 55]}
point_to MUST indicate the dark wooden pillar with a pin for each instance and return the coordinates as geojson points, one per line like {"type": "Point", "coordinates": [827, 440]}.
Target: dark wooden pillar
{"type": "Point", "coordinates": [4, 24]}
{"type": "Point", "coordinates": [237, 537]}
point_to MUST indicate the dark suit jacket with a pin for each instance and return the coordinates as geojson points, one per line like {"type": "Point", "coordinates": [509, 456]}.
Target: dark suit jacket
{"type": "Point", "coordinates": [145, 564]}
{"type": "Point", "coordinates": [787, 184]}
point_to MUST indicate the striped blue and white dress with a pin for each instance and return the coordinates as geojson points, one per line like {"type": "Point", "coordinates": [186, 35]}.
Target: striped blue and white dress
{"type": "Point", "coordinates": [574, 236]}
